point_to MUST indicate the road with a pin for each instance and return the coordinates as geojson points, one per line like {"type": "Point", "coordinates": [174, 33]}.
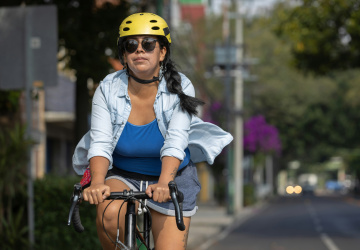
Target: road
{"type": "Point", "coordinates": [299, 223]}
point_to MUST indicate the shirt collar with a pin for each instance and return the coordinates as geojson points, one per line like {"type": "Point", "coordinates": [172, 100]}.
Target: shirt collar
{"type": "Point", "coordinates": [162, 86]}
{"type": "Point", "coordinates": [123, 84]}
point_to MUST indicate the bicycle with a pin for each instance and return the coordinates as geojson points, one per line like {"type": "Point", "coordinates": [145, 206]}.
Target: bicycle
{"type": "Point", "coordinates": [132, 236]}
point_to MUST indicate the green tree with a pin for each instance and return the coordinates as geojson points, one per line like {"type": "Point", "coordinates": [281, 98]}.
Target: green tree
{"type": "Point", "coordinates": [324, 39]}
{"type": "Point", "coordinates": [324, 35]}
{"type": "Point", "coordinates": [88, 36]}
{"type": "Point", "coordinates": [281, 94]}
{"type": "Point", "coordinates": [315, 115]}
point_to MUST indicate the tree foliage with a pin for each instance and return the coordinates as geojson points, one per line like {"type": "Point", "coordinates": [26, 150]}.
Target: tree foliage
{"type": "Point", "coordinates": [260, 136]}
{"type": "Point", "coordinates": [324, 35]}
{"type": "Point", "coordinates": [316, 116]}
{"type": "Point", "coordinates": [87, 33]}
{"type": "Point", "coordinates": [9, 102]}
{"type": "Point", "coordinates": [324, 38]}
{"type": "Point", "coordinates": [13, 159]}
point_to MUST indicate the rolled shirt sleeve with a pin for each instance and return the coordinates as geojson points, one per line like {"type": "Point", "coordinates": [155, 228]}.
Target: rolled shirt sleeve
{"type": "Point", "coordinates": [101, 131]}
{"type": "Point", "coordinates": [177, 134]}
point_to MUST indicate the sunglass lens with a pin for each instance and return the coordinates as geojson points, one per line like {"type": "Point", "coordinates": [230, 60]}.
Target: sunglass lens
{"type": "Point", "coordinates": [131, 45]}
{"type": "Point", "coordinates": [148, 44]}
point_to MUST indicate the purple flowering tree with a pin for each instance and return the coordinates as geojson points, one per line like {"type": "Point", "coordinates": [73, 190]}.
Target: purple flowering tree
{"type": "Point", "coordinates": [261, 141]}
{"type": "Point", "coordinates": [260, 137]}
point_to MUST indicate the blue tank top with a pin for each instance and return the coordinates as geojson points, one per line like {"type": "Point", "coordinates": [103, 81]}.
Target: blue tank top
{"type": "Point", "coordinates": [138, 149]}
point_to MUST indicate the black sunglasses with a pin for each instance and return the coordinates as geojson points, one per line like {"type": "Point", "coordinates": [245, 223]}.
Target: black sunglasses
{"type": "Point", "coordinates": [148, 44]}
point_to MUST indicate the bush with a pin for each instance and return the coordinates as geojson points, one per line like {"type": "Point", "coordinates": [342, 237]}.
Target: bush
{"type": "Point", "coordinates": [249, 195]}
{"type": "Point", "coordinates": [52, 204]}
{"type": "Point", "coordinates": [13, 161]}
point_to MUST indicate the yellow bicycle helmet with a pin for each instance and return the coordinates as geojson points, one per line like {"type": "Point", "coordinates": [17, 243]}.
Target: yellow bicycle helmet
{"type": "Point", "coordinates": [144, 24]}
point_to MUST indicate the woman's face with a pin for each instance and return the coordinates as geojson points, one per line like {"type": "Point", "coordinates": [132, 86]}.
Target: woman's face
{"type": "Point", "coordinates": [143, 62]}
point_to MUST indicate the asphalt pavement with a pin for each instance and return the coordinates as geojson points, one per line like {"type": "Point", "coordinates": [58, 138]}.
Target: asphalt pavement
{"type": "Point", "coordinates": [212, 223]}
{"type": "Point", "coordinates": [310, 222]}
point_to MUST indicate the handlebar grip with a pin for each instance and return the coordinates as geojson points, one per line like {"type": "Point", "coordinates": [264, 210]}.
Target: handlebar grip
{"type": "Point", "coordinates": [76, 220]}
{"type": "Point", "coordinates": [176, 196]}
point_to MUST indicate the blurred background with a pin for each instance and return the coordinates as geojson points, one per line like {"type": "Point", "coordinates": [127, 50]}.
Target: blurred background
{"type": "Point", "coordinates": [281, 76]}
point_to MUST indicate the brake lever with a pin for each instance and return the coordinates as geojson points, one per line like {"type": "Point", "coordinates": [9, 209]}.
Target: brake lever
{"type": "Point", "coordinates": [177, 198]}
{"type": "Point", "coordinates": [75, 199]}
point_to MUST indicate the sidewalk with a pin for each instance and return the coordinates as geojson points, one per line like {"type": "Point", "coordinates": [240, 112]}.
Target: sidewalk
{"type": "Point", "coordinates": [212, 223]}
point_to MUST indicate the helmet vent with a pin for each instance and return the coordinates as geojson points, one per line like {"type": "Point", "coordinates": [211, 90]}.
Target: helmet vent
{"type": "Point", "coordinates": [155, 28]}
{"type": "Point", "coordinates": [153, 21]}
{"type": "Point", "coordinates": [126, 29]}
{"type": "Point", "coordinates": [128, 22]}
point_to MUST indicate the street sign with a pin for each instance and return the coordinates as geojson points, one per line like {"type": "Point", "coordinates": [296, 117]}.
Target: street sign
{"type": "Point", "coordinates": [28, 32]}
{"type": "Point", "coordinates": [225, 55]}
{"type": "Point", "coordinates": [12, 51]}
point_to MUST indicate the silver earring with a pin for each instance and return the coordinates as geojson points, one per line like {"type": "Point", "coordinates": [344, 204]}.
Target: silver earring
{"type": "Point", "coordinates": [163, 67]}
{"type": "Point", "coordinates": [162, 71]}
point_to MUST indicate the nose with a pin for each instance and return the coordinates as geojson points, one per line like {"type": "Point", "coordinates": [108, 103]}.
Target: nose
{"type": "Point", "coordinates": [140, 48]}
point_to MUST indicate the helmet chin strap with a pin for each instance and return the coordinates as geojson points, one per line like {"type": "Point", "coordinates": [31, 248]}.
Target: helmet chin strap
{"type": "Point", "coordinates": [144, 81]}
{"type": "Point", "coordinates": [141, 80]}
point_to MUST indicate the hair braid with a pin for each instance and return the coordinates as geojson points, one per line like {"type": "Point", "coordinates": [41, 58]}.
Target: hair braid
{"type": "Point", "coordinates": [173, 84]}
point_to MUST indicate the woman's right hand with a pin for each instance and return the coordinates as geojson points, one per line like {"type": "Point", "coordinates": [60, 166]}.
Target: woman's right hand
{"type": "Point", "coordinates": [96, 193]}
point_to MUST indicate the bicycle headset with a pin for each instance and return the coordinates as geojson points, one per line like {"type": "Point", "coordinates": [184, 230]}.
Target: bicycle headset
{"type": "Point", "coordinates": [142, 24]}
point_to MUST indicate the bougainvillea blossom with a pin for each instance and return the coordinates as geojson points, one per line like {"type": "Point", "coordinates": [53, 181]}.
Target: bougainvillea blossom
{"type": "Point", "coordinates": [260, 136]}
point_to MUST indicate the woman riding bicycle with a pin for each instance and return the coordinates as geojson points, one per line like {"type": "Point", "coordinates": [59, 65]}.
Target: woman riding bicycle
{"type": "Point", "coordinates": [145, 133]}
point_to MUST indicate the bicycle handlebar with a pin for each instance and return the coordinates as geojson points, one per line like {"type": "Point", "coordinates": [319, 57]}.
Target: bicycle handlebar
{"type": "Point", "coordinates": [127, 194]}
{"type": "Point", "coordinates": [177, 198]}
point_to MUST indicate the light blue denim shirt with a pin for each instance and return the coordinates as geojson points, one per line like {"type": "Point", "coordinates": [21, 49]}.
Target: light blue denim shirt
{"type": "Point", "coordinates": [111, 107]}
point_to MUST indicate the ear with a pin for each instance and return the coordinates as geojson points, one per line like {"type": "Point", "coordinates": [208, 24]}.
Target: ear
{"type": "Point", "coordinates": [162, 53]}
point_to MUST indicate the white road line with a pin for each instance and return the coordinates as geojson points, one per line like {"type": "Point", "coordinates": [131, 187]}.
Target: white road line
{"type": "Point", "coordinates": [328, 242]}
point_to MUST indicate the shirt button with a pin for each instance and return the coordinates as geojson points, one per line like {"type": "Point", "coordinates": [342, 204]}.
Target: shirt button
{"type": "Point", "coordinates": [158, 119]}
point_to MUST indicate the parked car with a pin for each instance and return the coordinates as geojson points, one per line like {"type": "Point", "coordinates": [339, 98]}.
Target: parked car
{"type": "Point", "coordinates": [334, 186]}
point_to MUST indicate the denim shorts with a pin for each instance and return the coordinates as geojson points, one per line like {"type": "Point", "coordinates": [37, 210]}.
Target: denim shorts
{"type": "Point", "coordinates": [186, 180]}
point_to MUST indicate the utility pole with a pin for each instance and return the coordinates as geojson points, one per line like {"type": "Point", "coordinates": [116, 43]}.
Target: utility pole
{"type": "Point", "coordinates": [234, 62]}
{"type": "Point", "coordinates": [234, 168]}
{"type": "Point", "coordinates": [228, 172]}
{"type": "Point", "coordinates": [238, 106]}
{"type": "Point", "coordinates": [29, 101]}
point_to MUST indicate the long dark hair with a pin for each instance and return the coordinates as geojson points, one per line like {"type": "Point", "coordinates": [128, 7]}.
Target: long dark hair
{"type": "Point", "coordinates": [172, 77]}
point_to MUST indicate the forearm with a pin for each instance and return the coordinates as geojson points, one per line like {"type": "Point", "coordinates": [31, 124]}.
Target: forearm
{"type": "Point", "coordinates": [170, 166]}
{"type": "Point", "coordinates": [98, 168]}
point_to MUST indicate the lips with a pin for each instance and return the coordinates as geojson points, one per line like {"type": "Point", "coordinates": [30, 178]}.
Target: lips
{"type": "Point", "coordinates": [140, 59]}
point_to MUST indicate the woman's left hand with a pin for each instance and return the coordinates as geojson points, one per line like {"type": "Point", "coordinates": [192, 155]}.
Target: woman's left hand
{"type": "Point", "coordinates": [159, 192]}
